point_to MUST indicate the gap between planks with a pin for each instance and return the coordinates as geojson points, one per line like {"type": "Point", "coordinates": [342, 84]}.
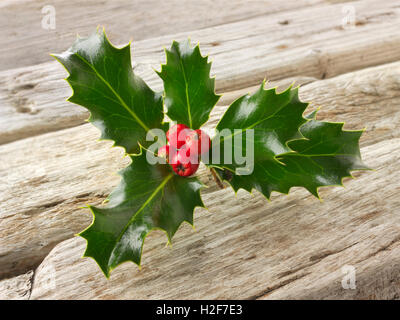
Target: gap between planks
{"type": "Point", "coordinates": [32, 99]}
{"type": "Point", "coordinates": [88, 165]}
{"type": "Point", "coordinates": [256, 247]}
{"type": "Point", "coordinates": [139, 20]}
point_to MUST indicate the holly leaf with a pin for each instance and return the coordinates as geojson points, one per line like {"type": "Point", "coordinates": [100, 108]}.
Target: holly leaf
{"type": "Point", "coordinates": [273, 119]}
{"type": "Point", "coordinates": [148, 197]}
{"type": "Point", "coordinates": [325, 156]}
{"type": "Point", "coordinates": [189, 92]}
{"type": "Point", "coordinates": [288, 149]}
{"type": "Point", "coordinates": [122, 106]}
{"type": "Point", "coordinates": [320, 154]}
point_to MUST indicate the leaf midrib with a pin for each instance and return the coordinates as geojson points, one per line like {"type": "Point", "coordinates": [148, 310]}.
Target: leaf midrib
{"type": "Point", "coordinates": [254, 124]}
{"type": "Point", "coordinates": [186, 91]}
{"type": "Point", "coordinates": [121, 101]}
{"type": "Point", "coordinates": [314, 155]}
{"type": "Point", "coordinates": [144, 205]}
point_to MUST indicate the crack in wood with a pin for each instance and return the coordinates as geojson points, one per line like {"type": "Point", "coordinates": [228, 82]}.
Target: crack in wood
{"type": "Point", "coordinates": [269, 290]}
{"type": "Point", "coordinates": [381, 249]}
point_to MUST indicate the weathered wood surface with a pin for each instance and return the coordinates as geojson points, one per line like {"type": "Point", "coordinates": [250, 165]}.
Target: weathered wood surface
{"type": "Point", "coordinates": [17, 288]}
{"type": "Point", "coordinates": [39, 200]}
{"type": "Point", "coordinates": [246, 240]}
{"type": "Point", "coordinates": [293, 247]}
{"type": "Point", "coordinates": [124, 20]}
{"type": "Point", "coordinates": [311, 44]}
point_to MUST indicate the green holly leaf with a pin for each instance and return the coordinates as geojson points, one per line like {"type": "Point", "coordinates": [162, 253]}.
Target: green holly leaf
{"type": "Point", "coordinates": [122, 106]}
{"type": "Point", "coordinates": [325, 156]}
{"type": "Point", "coordinates": [148, 197]}
{"type": "Point", "coordinates": [288, 149]}
{"type": "Point", "coordinates": [189, 91]}
{"type": "Point", "coordinates": [317, 153]}
{"type": "Point", "coordinates": [273, 119]}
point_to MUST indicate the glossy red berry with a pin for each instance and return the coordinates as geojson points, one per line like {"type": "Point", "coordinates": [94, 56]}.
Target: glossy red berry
{"type": "Point", "coordinates": [183, 163]}
{"type": "Point", "coordinates": [198, 141]}
{"type": "Point", "coordinates": [176, 135]}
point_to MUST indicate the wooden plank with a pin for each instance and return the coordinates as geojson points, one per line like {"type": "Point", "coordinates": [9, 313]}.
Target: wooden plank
{"type": "Point", "coordinates": [32, 98]}
{"type": "Point", "coordinates": [377, 274]}
{"type": "Point", "coordinates": [17, 288]}
{"type": "Point", "coordinates": [246, 248]}
{"type": "Point", "coordinates": [39, 199]}
{"type": "Point", "coordinates": [24, 41]}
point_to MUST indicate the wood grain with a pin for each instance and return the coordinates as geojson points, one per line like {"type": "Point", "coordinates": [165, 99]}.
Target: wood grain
{"type": "Point", "coordinates": [22, 46]}
{"type": "Point", "coordinates": [39, 199]}
{"type": "Point", "coordinates": [292, 241]}
{"type": "Point", "coordinates": [16, 288]}
{"type": "Point", "coordinates": [312, 44]}
{"type": "Point", "coordinates": [292, 247]}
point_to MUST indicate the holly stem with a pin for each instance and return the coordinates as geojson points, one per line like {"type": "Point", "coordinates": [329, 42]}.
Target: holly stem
{"type": "Point", "coordinates": [217, 179]}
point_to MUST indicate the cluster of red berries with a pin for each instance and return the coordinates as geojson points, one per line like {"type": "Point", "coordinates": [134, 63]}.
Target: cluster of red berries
{"type": "Point", "coordinates": [184, 148]}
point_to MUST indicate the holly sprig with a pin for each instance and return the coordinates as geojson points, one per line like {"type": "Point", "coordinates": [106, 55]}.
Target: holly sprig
{"type": "Point", "coordinates": [289, 149]}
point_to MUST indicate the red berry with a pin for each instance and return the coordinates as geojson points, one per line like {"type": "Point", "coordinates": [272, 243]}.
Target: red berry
{"type": "Point", "coordinates": [176, 135]}
{"type": "Point", "coordinates": [183, 163]}
{"type": "Point", "coordinates": [198, 141]}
